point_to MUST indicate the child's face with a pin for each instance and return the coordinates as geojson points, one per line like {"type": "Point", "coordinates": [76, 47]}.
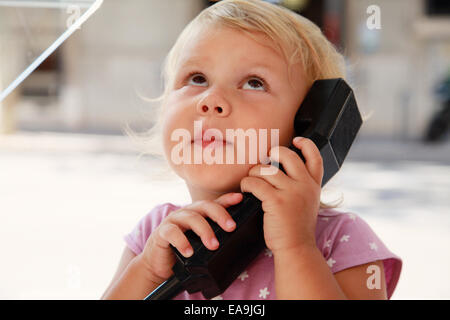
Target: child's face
{"type": "Point", "coordinates": [227, 92]}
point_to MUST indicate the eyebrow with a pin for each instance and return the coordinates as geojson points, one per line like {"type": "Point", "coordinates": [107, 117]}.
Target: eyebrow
{"type": "Point", "coordinates": [198, 61]}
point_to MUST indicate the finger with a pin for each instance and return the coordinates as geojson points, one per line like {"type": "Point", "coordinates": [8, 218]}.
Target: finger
{"type": "Point", "coordinates": [271, 174]}
{"type": "Point", "coordinates": [292, 164]}
{"type": "Point", "coordinates": [229, 199]}
{"type": "Point", "coordinates": [192, 220]}
{"type": "Point", "coordinates": [217, 212]}
{"type": "Point", "coordinates": [314, 161]}
{"type": "Point", "coordinates": [260, 188]}
{"type": "Point", "coordinates": [169, 233]}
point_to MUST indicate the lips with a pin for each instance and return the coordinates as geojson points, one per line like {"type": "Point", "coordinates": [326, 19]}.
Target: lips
{"type": "Point", "coordinates": [206, 141]}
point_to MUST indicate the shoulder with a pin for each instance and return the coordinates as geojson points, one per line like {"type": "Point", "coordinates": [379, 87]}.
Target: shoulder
{"type": "Point", "coordinates": [154, 217]}
{"type": "Point", "coordinates": [339, 230]}
{"type": "Point", "coordinates": [347, 240]}
{"type": "Point", "coordinates": [331, 222]}
{"type": "Point", "coordinates": [159, 212]}
{"type": "Point", "coordinates": [138, 236]}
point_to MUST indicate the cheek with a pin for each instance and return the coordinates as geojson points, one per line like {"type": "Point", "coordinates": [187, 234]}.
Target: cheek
{"type": "Point", "coordinates": [280, 133]}
{"type": "Point", "coordinates": [286, 125]}
{"type": "Point", "coordinates": [166, 131]}
{"type": "Point", "coordinates": [277, 115]}
{"type": "Point", "coordinates": [170, 123]}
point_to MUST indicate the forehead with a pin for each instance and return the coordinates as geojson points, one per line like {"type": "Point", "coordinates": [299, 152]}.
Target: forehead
{"type": "Point", "coordinates": [254, 47]}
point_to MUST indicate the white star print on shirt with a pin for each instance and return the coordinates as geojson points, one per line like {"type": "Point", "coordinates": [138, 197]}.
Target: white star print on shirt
{"type": "Point", "coordinates": [330, 262]}
{"type": "Point", "coordinates": [373, 246]}
{"type": "Point", "coordinates": [267, 252]}
{"type": "Point", "coordinates": [352, 216]}
{"type": "Point", "coordinates": [344, 238]}
{"type": "Point", "coordinates": [263, 293]}
{"type": "Point", "coordinates": [328, 244]}
{"type": "Point", "coordinates": [243, 275]}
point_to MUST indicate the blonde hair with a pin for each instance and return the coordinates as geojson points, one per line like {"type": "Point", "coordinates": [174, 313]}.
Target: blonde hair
{"type": "Point", "coordinates": [299, 39]}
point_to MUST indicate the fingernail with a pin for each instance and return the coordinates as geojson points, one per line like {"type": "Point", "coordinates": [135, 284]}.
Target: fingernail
{"type": "Point", "coordinates": [188, 252]}
{"type": "Point", "coordinates": [230, 224]}
{"type": "Point", "coordinates": [214, 242]}
{"type": "Point", "coordinates": [297, 139]}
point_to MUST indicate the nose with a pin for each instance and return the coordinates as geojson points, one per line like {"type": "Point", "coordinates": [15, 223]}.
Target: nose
{"type": "Point", "coordinates": [214, 106]}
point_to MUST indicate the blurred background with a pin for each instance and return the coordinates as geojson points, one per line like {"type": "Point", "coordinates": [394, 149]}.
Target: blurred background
{"type": "Point", "coordinates": [72, 183]}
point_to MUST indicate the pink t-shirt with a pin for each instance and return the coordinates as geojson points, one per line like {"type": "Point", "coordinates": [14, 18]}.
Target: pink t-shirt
{"type": "Point", "coordinates": [344, 239]}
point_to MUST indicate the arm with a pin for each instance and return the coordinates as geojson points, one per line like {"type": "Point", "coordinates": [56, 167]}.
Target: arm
{"type": "Point", "coordinates": [139, 275]}
{"type": "Point", "coordinates": [291, 202]}
{"type": "Point", "coordinates": [354, 282]}
{"type": "Point", "coordinates": [132, 281]}
{"type": "Point", "coordinates": [304, 274]}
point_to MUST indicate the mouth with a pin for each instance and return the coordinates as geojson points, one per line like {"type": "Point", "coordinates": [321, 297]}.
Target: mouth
{"type": "Point", "coordinates": [213, 141]}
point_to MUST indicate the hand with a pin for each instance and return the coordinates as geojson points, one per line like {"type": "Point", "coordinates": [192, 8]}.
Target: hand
{"type": "Point", "coordinates": [157, 254]}
{"type": "Point", "coordinates": [290, 200]}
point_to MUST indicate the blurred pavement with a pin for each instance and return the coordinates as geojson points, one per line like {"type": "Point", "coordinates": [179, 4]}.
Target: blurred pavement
{"type": "Point", "coordinates": [66, 200]}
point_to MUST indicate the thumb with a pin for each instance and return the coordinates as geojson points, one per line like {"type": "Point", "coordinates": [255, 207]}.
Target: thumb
{"type": "Point", "coordinates": [229, 199]}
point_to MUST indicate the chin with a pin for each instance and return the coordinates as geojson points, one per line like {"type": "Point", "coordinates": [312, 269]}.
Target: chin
{"type": "Point", "coordinates": [217, 177]}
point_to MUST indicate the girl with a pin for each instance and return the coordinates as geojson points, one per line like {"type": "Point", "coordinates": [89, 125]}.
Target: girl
{"type": "Point", "coordinates": [249, 64]}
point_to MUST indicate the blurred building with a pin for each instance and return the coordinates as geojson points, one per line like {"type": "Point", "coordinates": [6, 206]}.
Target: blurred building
{"type": "Point", "coordinates": [395, 69]}
{"type": "Point", "coordinates": [94, 81]}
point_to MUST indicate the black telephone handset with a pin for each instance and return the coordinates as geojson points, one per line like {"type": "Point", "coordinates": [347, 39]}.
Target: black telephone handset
{"type": "Point", "coordinates": [329, 116]}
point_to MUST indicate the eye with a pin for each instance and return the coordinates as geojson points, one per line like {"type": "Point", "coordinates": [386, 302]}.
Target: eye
{"type": "Point", "coordinates": [254, 81]}
{"type": "Point", "coordinates": [196, 77]}
{"type": "Point", "coordinates": [257, 83]}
